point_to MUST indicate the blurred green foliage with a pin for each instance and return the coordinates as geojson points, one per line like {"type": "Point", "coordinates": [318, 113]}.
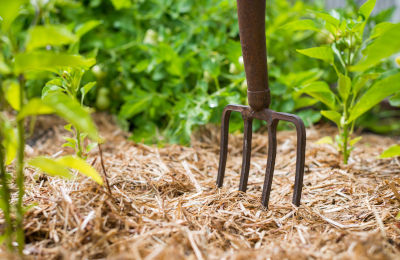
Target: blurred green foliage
{"type": "Point", "coordinates": [166, 67]}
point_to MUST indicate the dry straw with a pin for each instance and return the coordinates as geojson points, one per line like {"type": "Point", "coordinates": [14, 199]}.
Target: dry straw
{"type": "Point", "coordinates": [165, 205]}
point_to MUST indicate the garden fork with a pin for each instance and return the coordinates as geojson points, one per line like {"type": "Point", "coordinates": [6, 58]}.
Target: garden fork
{"type": "Point", "coordinates": [252, 38]}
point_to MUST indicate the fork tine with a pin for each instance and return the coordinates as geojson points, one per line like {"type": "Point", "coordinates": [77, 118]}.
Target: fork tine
{"type": "Point", "coordinates": [300, 159]}
{"type": "Point", "coordinates": [248, 130]}
{"type": "Point", "coordinates": [269, 174]}
{"type": "Point", "coordinates": [224, 146]}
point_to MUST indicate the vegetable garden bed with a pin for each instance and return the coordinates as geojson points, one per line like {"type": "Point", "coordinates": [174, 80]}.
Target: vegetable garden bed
{"type": "Point", "coordinates": [165, 204]}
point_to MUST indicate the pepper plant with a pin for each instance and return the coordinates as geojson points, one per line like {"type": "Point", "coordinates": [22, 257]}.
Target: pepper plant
{"type": "Point", "coordinates": [28, 53]}
{"type": "Point", "coordinates": [354, 56]}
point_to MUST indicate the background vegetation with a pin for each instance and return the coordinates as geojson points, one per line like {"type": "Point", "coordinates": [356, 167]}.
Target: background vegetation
{"type": "Point", "coordinates": [166, 67]}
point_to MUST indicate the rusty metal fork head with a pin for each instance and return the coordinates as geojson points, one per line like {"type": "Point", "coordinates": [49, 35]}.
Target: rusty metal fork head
{"type": "Point", "coordinates": [252, 37]}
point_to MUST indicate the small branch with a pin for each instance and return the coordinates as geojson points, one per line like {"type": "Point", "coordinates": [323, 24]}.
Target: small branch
{"type": "Point", "coordinates": [104, 169]}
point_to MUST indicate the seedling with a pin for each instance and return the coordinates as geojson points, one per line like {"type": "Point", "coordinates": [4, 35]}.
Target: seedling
{"type": "Point", "coordinates": [26, 57]}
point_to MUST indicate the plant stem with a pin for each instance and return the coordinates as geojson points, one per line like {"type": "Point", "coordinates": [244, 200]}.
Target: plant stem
{"type": "Point", "coordinates": [20, 172]}
{"type": "Point", "coordinates": [79, 143]}
{"type": "Point", "coordinates": [5, 191]}
{"type": "Point", "coordinates": [345, 146]}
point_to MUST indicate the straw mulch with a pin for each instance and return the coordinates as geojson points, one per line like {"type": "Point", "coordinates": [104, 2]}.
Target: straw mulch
{"type": "Point", "coordinates": [165, 205]}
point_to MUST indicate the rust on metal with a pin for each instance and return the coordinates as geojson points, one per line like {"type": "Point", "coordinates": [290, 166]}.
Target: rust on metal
{"type": "Point", "coordinates": [252, 38]}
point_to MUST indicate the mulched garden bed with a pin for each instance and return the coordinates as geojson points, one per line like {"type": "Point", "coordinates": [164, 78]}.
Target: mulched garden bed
{"type": "Point", "coordinates": [165, 204]}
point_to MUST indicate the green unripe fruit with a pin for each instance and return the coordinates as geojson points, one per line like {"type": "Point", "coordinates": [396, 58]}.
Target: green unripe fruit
{"type": "Point", "coordinates": [102, 100]}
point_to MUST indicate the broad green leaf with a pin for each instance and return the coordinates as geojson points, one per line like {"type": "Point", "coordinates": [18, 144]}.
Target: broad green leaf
{"type": "Point", "coordinates": [11, 93]}
{"type": "Point", "coordinates": [70, 110]}
{"type": "Point", "coordinates": [9, 10]}
{"type": "Point", "coordinates": [301, 25]}
{"type": "Point", "coordinates": [366, 9]}
{"type": "Point", "coordinates": [119, 4]}
{"type": "Point", "coordinates": [333, 116]}
{"type": "Point", "coordinates": [34, 107]}
{"type": "Point", "coordinates": [344, 86]}
{"type": "Point", "coordinates": [355, 140]}
{"type": "Point", "coordinates": [325, 140]}
{"type": "Point", "coordinates": [383, 47]}
{"type": "Point", "coordinates": [392, 151]}
{"type": "Point", "coordinates": [82, 166]}
{"type": "Point", "coordinates": [44, 35]}
{"type": "Point", "coordinates": [320, 91]}
{"type": "Point", "coordinates": [49, 61]}
{"type": "Point", "coordinates": [380, 28]}
{"type": "Point", "coordinates": [50, 89]}
{"type": "Point", "coordinates": [375, 94]}
{"type": "Point", "coordinates": [324, 53]}
{"type": "Point", "coordinates": [86, 27]}
{"type": "Point", "coordinates": [328, 18]}
{"type": "Point", "coordinates": [304, 102]}
{"type": "Point", "coordinates": [50, 166]}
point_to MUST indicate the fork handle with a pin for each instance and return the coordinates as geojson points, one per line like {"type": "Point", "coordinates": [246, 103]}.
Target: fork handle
{"type": "Point", "coordinates": [251, 15]}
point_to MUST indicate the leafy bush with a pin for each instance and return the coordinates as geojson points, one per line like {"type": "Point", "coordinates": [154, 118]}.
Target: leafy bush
{"type": "Point", "coordinates": [167, 67]}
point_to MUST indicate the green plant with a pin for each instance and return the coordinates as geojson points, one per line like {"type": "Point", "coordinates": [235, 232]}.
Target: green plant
{"type": "Point", "coordinates": [68, 84]}
{"type": "Point", "coordinates": [166, 67]}
{"type": "Point", "coordinates": [361, 85]}
{"type": "Point", "coordinates": [24, 58]}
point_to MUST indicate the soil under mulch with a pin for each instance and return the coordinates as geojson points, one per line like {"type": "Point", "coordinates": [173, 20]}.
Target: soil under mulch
{"type": "Point", "coordinates": [165, 204]}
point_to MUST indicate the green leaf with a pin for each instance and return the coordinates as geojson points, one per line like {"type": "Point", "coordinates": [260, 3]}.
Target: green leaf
{"type": "Point", "coordinates": [49, 61]}
{"type": "Point", "coordinates": [70, 110]}
{"type": "Point", "coordinates": [10, 141]}
{"type": "Point", "coordinates": [392, 151]}
{"type": "Point", "coordinates": [360, 83]}
{"type": "Point", "coordinates": [9, 10]}
{"type": "Point", "coordinates": [304, 102]}
{"type": "Point", "coordinates": [325, 140]}
{"type": "Point", "coordinates": [380, 28]}
{"type": "Point", "coordinates": [323, 53]}
{"type": "Point", "coordinates": [375, 94]}
{"type": "Point", "coordinates": [320, 91]}
{"type": "Point", "coordinates": [328, 18]}
{"type": "Point", "coordinates": [344, 86]}
{"type": "Point", "coordinates": [135, 106]}
{"type": "Point", "coordinates": [35, 106]}
{"type": "Point", "coordinates": [395, 100]}
{"type": "Point", "coordinates": [86, 27]}
{"type": "Point", "coordinates": [383, 47]}
{"type": "Point", "coordinates": [355, 140]}
{"type": "Point", "coordinates": [82, 166]}
{"type": "Point", "coordinates": [85, 89]}
{"type": "Point", "coordinates": [119, 4]}
{"type": "Point", "coordinates": [333, 116]}
{"type": "Point", "coordinates": [301, 25]}
{"type": "Point", "coordinates": [44, 35]}
{"type": "Point", "coordinates": [4, 68]}
{"type": "Point", "coordinates": [11, 93]}
{"type": "Point", "coordinates": [50, 166]}
{"type": "Point", "coordinates": [90, 146]}
{"type": "Point", "coordinates": [366, 9]}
